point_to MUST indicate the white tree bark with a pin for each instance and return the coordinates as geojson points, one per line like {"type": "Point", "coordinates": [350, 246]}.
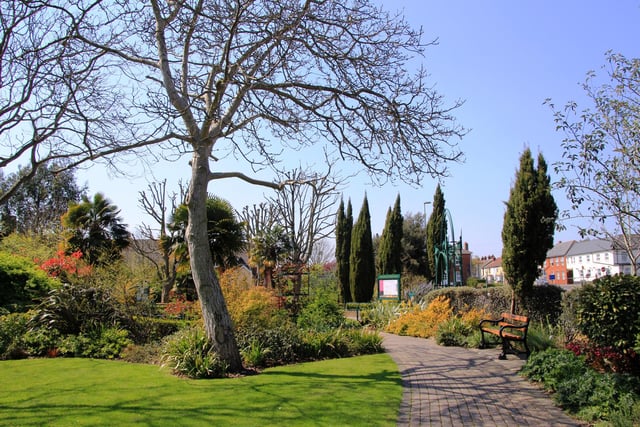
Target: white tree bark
{"type": "Point", "coordinates": [217, 321]}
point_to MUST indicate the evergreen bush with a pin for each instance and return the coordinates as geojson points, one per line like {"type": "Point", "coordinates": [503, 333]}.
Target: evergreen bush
{"type": "Point", "coordinates": [281, 344]}
{"type": "Point", "coordinates": [22, 283]}
{"type": "Point", "coordinates": [13, 326]}
{"type": "Point", "coordinates": [322, 313]}
{"type": "Point", "coordinates": [75, 309]}
{"type": "Point", "coordinates": [607, 311]}
{"type": "Point", "coordinates": [190, 353]}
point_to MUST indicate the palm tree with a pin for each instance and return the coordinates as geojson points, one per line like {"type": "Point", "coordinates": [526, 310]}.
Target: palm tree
{"type": "Point", "coordinates": [270, 247]}
{"type": "Point", "coordinates": [226, 234]}
{"type": "Point", "coordinates": [95, 228]}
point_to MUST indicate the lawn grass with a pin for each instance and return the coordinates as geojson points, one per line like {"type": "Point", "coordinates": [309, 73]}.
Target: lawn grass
{"type": "Point", "coordinates": [364, 390]}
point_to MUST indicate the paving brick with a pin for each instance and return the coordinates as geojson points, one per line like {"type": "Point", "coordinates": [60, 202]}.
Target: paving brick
{"type": "Point", "coordinates": [453, 386]}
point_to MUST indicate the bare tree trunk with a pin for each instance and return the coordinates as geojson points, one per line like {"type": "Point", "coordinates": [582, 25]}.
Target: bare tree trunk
{"type": "Point", "coordinates": [217, 321]}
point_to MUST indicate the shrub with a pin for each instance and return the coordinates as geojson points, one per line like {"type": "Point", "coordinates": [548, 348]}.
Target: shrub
{"type": "Point", "coordinates": [75, 309]}
{"type": "Point", "coordinates": [381, 313]}
{"type": "Point", "coordinates": [66, 267]}
{"type": "Point", "coordinates": [541, 336]}
{"type": "Point", "coordinates": [150, 329]}
{"type": "Point", "coordinates": [594, 396]}
{"type": "Point", "coordinates": [544, 304]}
{"type": "Point", "coordinates": [422, 322]}
{"type": "Point", "coordinates": [249, 305]}
{"type": "Point", "coordinates": [30, 246]}
{"type": "Point", "coordinates": [607, 311]}
{"type": "Point", "coordinates": [255, 354]}
{"type": "Point", "coordinates": [146, 353]}
{"type": "Point", "coordinates": [340, 343]}
{"type": "Point", "coordinates": [101, 343]}
{"type": "Point", "coordinates": [568, 321]}
{"type": "Point", "coordinates": [40, 342]}
{"type": "Point", "coordinates": [553, 366]}
{"type": "Point", "coordinates": [324, 345]}
{"type": "Point", "coordinates": [462, 329]}
{"type": "Point", "coordinates": [453, 332]}
{"type": "Point", "coordinates": [475, 282]}
{"type": "Point", "coordinates": [590, 395]}
{"type": "Point", "coordinates": [460, 297]}
{"type": "Point", "coordinates": [280, 344]}
{"type": "Point", "coordinates": [12, 329]}
{"type": "Point", "coordinates": [22, 283]}
{"type": "Point", "coordinates": [189, 352]}
{"type": "Point", "coordinates": [180, 308]}
{"type": "Point", "coordinates": [607, 359]}
{"type": "Point", "coordinates": [321, 313]}
{"type": "Point", "coordinates": [365, 342]}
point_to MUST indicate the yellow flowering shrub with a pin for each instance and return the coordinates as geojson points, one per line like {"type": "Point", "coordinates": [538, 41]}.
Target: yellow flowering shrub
{"type": "Point", "coordinates": [247, 303]}
{"type": "Point", "coordinates": [422, 322]}
{"type": "Point", "coordinates": [473, 316]}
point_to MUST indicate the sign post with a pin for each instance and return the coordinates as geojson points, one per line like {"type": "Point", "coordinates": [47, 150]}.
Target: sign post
{"type": "Point", "coordinates": [389, 287]}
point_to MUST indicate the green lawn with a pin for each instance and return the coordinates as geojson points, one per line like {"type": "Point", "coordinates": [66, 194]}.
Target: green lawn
{"type": "Point", "coordinates": [363, 390]}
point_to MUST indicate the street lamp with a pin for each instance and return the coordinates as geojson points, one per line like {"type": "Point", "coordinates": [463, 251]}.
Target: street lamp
{"type": "Point", "coordinates": [426, 235]}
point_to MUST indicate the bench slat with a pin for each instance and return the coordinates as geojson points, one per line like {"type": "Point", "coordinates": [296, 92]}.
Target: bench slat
{"type": "Point", "coordinates": [510, 327]}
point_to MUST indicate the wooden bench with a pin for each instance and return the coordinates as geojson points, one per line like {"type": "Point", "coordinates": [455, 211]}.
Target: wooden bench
{"type": "Point", "coordinates": [510, 327]}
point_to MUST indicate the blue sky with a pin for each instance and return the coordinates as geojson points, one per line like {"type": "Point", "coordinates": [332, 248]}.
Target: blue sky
{"type": "Point", "coordinates": [504, 58]}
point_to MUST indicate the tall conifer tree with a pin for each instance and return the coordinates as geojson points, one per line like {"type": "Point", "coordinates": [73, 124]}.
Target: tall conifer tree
{"type": "Point", "coordinates": [390, 250]}
{"type": "Point", "coordinates": [529, 223]}
{"type": "Point", "coordinates": [344, 224]}
{"type": "Point", "coordinates": [363, 272]}
{"type": "Point", "coordinates": [384, 249]}
{"type": "Point", "coordinates": [436, 233]}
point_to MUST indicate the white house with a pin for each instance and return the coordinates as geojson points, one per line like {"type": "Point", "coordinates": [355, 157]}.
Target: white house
{"type": "Point", "coordinates": [591, 259]}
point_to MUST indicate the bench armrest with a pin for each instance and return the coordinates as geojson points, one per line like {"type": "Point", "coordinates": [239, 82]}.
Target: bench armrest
{"type": "Point", "coordinates": [508, 327]}
{"type": "Point", "coordinates": [490, 321]}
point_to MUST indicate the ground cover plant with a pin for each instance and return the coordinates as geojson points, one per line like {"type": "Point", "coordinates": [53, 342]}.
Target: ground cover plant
{"type": "Point", "coordinates": [584, 392]}
{"type": "Point", "coordinates": [359, 391]}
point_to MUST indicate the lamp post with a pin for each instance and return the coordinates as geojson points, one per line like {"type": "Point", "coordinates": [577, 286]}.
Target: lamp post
{"type": "Point", "coordinates": [426, 235]}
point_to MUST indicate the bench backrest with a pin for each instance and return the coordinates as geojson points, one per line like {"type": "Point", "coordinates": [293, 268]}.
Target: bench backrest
{"type": "Point", "coordinates": [515, 319]}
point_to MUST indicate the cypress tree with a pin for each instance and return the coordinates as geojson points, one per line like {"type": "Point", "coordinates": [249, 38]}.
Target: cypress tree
{"type": "Point", "coordinates": [384, 248]}
{"type": "Point", "coordinates": [436, 233]}
{"type": "Point", "coordinates": [363, 273]}
{"type": "Point", "coordinates": [390, 251]}
{"type": "Point", "coordinates": [344, 224]}
{"type": "Point", "coordinates": [529, 223]}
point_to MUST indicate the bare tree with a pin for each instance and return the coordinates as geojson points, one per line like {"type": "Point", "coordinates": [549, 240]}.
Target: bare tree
{"type": "Point", "coordinates": [254, 80]}
{"type": "Point", "coordinates": [156, 243]}
{"type": "Point", "coordinates": [57, 103]}
{"type": "Point", "coordinates": [323, 252]}
{"type": "Point", "coordinates": [306, 211]}
{"type": "Point", "coordinates": [599, 170]}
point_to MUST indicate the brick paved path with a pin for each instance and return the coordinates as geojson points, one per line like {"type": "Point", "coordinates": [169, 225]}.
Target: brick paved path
{"type": "Point", "coordinates": [453, 386]}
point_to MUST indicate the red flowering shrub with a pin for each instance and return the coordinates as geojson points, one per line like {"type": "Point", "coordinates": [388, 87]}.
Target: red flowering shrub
{"type": "Point", "coordinates": [66, 267]}
{"type": "Point", "coordinates": [180, 308]}
{"type": "Point", "coordinates": [607, 358]}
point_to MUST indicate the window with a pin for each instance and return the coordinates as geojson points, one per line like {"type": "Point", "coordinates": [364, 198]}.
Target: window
{"type": "Point", "coordinates": [606, 256]}
{"type": "Point", "coordinates": [580, 258]}
{"type": "Point", "coordinates": [588, 258]}
{"type": "Point", "coordinates": [597, 257]}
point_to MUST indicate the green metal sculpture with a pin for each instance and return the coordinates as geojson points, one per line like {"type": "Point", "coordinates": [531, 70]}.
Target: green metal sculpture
{"type": "Point", "coordinates": [448, 255]}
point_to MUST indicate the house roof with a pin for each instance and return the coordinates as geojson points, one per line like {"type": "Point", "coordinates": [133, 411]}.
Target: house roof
{"type": "Point", "coordinates": [589, 247]}
{"type": "Point", "coordinates": [560, 249]}
{"type": "Point", "coordinates": [494, 263]}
